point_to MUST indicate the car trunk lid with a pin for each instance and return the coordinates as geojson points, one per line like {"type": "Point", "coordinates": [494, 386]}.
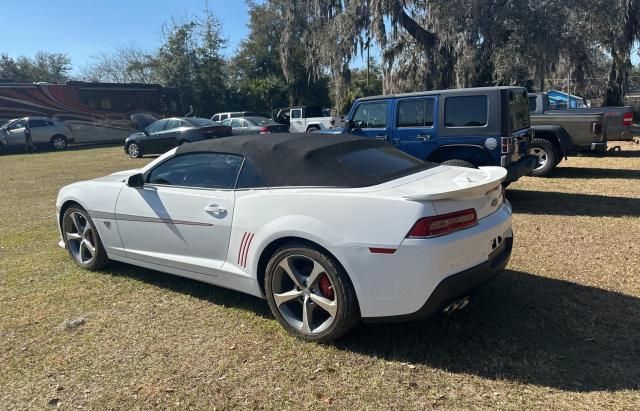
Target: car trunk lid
{"type": "Point", "coordinates": [458, 188]}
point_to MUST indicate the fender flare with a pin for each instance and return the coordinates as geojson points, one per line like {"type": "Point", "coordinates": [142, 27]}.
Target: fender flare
{"type": "Point", "coordinates": [438, 154]}
{"type": "Point", "coordinates": [558, 132]}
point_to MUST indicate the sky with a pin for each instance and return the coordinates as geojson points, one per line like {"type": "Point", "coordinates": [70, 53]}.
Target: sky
{"type": "Point", "coordinates": [86, 28]}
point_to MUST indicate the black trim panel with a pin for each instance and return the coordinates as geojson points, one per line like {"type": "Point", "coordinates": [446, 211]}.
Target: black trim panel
{"type": "Point", "coordinates": [457, 286]}
{"type": "Point", "coordinates": [128, 217]}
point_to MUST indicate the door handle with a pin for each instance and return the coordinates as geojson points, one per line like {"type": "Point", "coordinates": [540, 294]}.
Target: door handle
{"type": "Point", "coordinates": [215, 209]}
{"type": "Point", "coordinates": [423, 137]}
{"type": "Point", "coordinates": [381, 137]}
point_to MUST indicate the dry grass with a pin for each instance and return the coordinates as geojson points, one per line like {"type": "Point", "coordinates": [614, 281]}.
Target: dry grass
{"type": "Point", "coordinates": [560, 329]}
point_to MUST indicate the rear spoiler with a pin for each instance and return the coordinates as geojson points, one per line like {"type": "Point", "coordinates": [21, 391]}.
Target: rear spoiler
{"type": "Point", "coordinates": [473, 183]}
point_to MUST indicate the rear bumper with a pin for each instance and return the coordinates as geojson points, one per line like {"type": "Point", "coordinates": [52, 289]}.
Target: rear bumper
{"type": "Point", "coordinates": [457, 285]}
{"type": "Point", "coordinates": [520, 169]}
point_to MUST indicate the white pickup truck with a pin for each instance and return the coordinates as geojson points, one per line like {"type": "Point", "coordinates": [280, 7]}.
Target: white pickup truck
{"type": "Point", "coordinates": [306, 119]}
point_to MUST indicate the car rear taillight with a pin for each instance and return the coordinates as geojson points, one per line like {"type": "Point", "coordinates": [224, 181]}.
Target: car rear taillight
{"type": "Point", "coordinates": [333, 121]}
{"type": "Point", "coordinates": [506, 144]}
{"type": "Point", "coordinates": [443, 224]}
{"type": "Point", "coordinates": [597, 128]}
{"type": "Point", "coordinates": [265, 130]}
{"type": "Point", "coordinates": [628, 119]}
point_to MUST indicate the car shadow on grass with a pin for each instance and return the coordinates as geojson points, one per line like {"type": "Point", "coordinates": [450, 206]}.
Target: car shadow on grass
{"type": "Point", "coordinates": [591, 173]}
{"type": "Point", "coordinates": [524, 328]}
{"type": "Point", "coordinates": [569, 204]}
{"type": "Point", "coordinates": [204, 291]}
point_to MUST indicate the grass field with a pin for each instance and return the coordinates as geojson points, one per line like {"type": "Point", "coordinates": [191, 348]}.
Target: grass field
{"type": "Point", "coordinates": [560, 329]}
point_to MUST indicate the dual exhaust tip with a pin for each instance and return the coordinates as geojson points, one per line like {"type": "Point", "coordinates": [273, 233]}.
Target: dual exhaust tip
{"type": "Point", "coordinates": [456, 305]}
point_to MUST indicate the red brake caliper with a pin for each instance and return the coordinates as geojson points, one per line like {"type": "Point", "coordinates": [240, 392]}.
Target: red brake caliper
{"type": "Point", "coordinates": [325, 287]}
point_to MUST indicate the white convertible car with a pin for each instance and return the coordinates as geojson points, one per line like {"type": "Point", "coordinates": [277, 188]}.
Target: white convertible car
{"type": "Point", "coordinates": [330, 229]}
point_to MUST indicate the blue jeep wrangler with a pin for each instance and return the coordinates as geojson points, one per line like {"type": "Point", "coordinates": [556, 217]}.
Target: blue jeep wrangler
{"type": "Point", "coordinates": [464, 127]}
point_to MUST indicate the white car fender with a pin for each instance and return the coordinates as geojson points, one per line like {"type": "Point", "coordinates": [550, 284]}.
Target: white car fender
{"type": "Point", "coordinates": [315, 231]}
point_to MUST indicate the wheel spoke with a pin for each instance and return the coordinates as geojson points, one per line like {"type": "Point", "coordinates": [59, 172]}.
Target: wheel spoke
{"type": "Point", "coordinates": [286, 297]}
{"type": "Point", "coordinates": [76, 222]}
{"type": "Point", "coordinates": [315, 274]}
{"type": "Point", "coordinates": [89, 247]}
{"type": "Point", "coordinates": [307, 315]}
{"type": "Point", "coordinates": [329, 306]}
{"type": "Point", "coordinates": [291, 271]}
{"type": "Point", "coordinates": [81, 251]}
{"type": "Point", "coordinates": [73, 236]}
{"type": "Point", "coordinates": [86, 230]}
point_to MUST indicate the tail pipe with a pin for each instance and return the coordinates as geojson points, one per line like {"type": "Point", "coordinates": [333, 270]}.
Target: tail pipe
{"type": "Point", "coordinates": [456, 305]}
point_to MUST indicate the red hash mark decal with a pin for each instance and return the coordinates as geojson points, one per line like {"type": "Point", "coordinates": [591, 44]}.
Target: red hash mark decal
{"type": "Point", "coordinates": [243, 250]}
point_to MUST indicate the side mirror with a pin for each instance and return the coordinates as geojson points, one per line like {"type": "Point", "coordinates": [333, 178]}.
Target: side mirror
{"type": "Point", "coordinates": [144, 130]}
{"type": "Point", "coordinates": [136, 181]}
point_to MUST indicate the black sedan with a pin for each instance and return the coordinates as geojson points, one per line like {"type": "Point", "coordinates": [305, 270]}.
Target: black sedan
{"type": "Point", "coordinates": [162, 135]}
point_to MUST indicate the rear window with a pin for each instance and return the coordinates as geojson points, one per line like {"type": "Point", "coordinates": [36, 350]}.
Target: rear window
{"type": "Point", "coordinates": [415, 113]}
{"type": "Point", "coordinates": [37, 123]}
{"type": "Point", "coordinates": [313, 112]}
{"type": "Point", "coordinates": [519, 104]}
{"type": "Point", "coordinates": [381, 162]}
{"type": "Point", "coordinates": [532, 103]}
{"type": "Point", "coordinates": [466, 111]}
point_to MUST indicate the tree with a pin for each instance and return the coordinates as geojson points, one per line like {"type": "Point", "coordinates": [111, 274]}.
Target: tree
{"type": "Point", "coordinates": [125, 64]}
{"type": "Point", "coordinates": [43, 67]}
{"type": "Point", "coordinates": [189, 59]}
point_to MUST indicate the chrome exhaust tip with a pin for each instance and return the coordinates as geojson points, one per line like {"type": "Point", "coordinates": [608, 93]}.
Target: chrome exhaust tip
{"type": "Point", "coordinates": [456, 305]}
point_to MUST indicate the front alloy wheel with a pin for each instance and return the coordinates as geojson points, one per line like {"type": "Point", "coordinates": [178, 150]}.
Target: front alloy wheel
{"type": "Point", "coordinates": [59, 142]}
{"type": "Point", "coordinates": [134, 150]}
{"type": "Point", "coordinates": [310, 295]}
{"type": "Point", "coordinates": [82, 240]}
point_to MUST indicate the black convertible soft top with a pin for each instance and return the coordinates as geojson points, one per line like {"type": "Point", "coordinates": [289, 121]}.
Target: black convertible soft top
{"type": "Point", "coordinates": [315, 160]}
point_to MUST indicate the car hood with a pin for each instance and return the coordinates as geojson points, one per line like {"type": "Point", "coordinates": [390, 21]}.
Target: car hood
{"type": "Point", "coordinates": [119, 176]}
{"type": "Point", "coordinates": [142, 120]}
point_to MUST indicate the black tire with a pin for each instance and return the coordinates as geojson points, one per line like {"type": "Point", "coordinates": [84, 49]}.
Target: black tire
{"type": "Point", "coordinates": [548, 156]}
{"type": "Point", "coordinates": [311, 129]}
{"type": "Point", "coordinates": [59, 142]}
{"type": "Point", "coordinates": [99, 257]}
{"type": "Point", "coordinates": [134, 150]}
{"type": "Point", "coordinates": [458, 163]}
{"type": "Point", "coordinates": [2, 148]}
{"type": "Point", "coordinates": [347, 311]}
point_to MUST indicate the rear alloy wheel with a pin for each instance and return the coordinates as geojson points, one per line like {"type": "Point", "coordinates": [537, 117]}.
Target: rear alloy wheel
{"type": "Point", "coordinates": [458, 163]}
{"type": "Point", "coordinates": [309, 294]}
{"type": "Point", "coordinates": [546, 154]}
{"type": "Point", "coordinates": [312, 129]}
{"type": "Point", "coordinates": [133, 149]}
{"type": "Point", "coordinates": [81, 239]}
{"type": "Point", "coordinates": [59, 142]}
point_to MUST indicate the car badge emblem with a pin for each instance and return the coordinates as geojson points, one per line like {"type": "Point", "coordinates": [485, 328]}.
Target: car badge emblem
{"type": "Point", "coordinates": [494, 202]}
{"type": "Point", "coordinates": [107, 224]}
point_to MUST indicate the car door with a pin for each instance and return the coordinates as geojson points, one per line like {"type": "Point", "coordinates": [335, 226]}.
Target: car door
{"type": "Point", "coordinates": [370, 120]}
{"type": "Point", "coordinates": [236, 126]}
{"type": "Point", "coordinates": [171, 134]}
{"type": "Point", "coordinates": [296, 121]}
{"type": "Point", "coordinates": [15, 133]}
{"type": "Point", "coordinates": [181, 218]}
{"type": "Point", "coordinates": [39, 131]}
{"type": "Point", "coordinates": [153, 142]}
{"type": "Point", "coordinates": [415, 126]}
